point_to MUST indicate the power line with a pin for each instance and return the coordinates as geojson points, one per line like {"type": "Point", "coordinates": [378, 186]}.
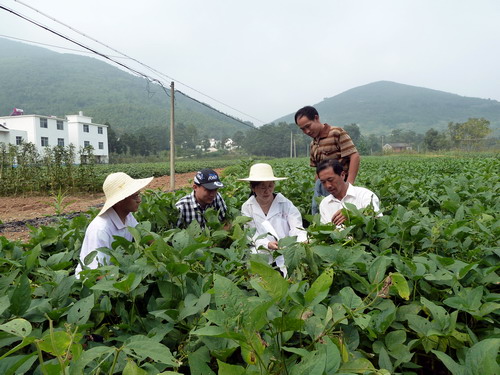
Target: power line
{"type": "Point", "coordinates": [81, 45]}
{"type": "Point", "coordinates": [148, 78]}
{"type": "Point", "coordinates": [136, 72]}
{"type": "Point", "coordinates": [142, 64]}
{"type": "Point", "coordinates": [53, 46]}
{"type": "Point", "coordinates": [216, 110]}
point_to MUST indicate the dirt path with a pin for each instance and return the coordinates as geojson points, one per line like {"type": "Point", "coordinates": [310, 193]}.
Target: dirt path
{"type": "Point", "coordinates": [16, 212]}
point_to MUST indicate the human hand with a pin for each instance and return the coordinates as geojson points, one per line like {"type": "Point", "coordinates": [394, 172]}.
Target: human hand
{"type": "Point", "coordinates": [272, 245]}
{"type": "Point", "coordinates": [338, 218]}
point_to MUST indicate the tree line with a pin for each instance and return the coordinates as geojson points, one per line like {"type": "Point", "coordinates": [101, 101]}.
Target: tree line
{"type": "Point", "coordinates": [284, 140]}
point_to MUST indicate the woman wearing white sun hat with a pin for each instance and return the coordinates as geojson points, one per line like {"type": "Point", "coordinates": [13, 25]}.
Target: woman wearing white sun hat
{"type": "Point", "coordinates": [122, 198]}
{"type": "Point", "coordinates": [271, 213]}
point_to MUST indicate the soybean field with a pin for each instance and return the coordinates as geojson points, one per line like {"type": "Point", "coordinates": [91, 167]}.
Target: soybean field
{"type": "Point", "coordinates": [415, 291]}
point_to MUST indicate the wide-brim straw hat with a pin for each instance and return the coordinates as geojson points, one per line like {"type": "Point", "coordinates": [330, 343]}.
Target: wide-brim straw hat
{"type": "Point", "coordinates": [262, 172]}
{"type": "Point", "coordinates": [118, 186]}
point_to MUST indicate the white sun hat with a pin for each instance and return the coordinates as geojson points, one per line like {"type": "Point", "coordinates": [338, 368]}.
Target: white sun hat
{"type": "Point", "coordinates": [118, 186]}
{"type": "Point", "coordinates": [262, 172]}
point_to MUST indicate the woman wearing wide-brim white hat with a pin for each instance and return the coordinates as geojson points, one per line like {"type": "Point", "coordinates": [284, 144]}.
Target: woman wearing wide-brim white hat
{"type": "Point", "coordinates": [114, 219]}
{"type": "Point", "coordinates": [273, 216]}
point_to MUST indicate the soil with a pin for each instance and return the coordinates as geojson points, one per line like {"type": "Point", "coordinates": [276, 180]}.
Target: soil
{"type": "Point", "coordinates": [17, 211]}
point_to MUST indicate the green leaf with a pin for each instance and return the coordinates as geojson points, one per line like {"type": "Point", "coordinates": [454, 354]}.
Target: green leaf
{"type": "Point", "coordinates": [6, 280]}
{"type": "Point", "coordinates": [80, 312]}
{"type": "Point", "coordinates": [298, 351]}
{"type": "Point", "coordinates": [418, 323]}
{"type": "Point", "coordinates": [32, 257]}
{"type": "Point", "coordinates": [198, 362]}
{"type": "Point", "coordinates": [312, 364]}
{"type": "Point", "coordinates": [488, 308]}
{"type": "Point", "coordinates": [61, 292]}
{"type": "Point", "coordinates": [17, 364]}
{"type": "Point", "coordinates": [314, 327]}
{"type": "Point", "coordinates": [394, 339]}
{"type": "Point", "coordinates": [401, 285]}
{"type": "Point", "coordinates": [177, 269]}
{"type": "Point", "coordinates": [482, 358]}
{"type": "Point", "coordinates": [384, 361]}
{"type": "Point", "coordinates": [319, 289]}
{"type": "Point", "coordinates": [227, 369]}
{"type": "Point", "coordinates": [362, 320]}
{"type": "Point", "coordinates": [271, 280]}
{"type": "Point", "coordinates": [21, 297]}
{"type": "Point", "coordinates": [463, 271]}
{"type": "Point", "coordinates": [4, 303]}
{"type": "Point", "coordinates": [257, 317]}
{"type": "Point", "coordinates": [229, 297]}
{"type": "Point", "coordinates": [332, 355]}
{"type": "Point", "coordinates": [17, 327]}
{"type": "Point", "coordinates": [26, 341]}
{"type": "Point", "coordinates": [148, 348]}
{"type": "Point", "coordinates": [439, 314]}
{"type": "Point", "coordinates": [357, 366]}
{"type": "Point", "coordinates": [377, 269]}
{"type": "Point", "coordinates": [350, 299]}
{"type": "Point", "coordinates": [450, 364]}
{"type": "Point", "coordinates": [209, 331]}
{"type": "Point", "coordinates": [106, 285]}
{"type": "Point", "coordinates": [88, 356]}
{"type": "Point", "coordinates": [201, 303]}
{"type": "Point", "coordinates": [128, 284]}
{"type": "Point", "coordinates": [56, 344]}
{"type": "Point", "coordinates": [132, 369]}
{"type": "Point", "coordinates": [192, 248]}
{"type": "Point", "coordinates": [474, 298]}
{"type": "Point", "coordinates": [294, 256]}
{"type": "Point", "coordinates": [384, 319]}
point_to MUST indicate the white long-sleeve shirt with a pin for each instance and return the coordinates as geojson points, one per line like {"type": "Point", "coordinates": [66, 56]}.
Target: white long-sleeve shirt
{"type": "Point", "coordinates": [359, 196]}
{"type": "Point", "coordinates": [100, 233]}
{"type": "Point", "coordinates": [282, 220]}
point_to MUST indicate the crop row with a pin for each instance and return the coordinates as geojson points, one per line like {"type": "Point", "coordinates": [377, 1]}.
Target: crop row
{"type": "Point", "coordinates": [412, 292]}
{"type": "Point", "coordinates": [23, 170]}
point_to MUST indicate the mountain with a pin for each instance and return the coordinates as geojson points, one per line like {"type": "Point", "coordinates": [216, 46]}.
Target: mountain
{"type": "Point", "coordinates": [44, 82]}
{"type": "Point", "coordinates": [382, 106]}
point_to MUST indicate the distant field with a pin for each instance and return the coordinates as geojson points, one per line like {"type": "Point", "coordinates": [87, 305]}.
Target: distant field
{"type": "Point", "coordinates": [141, 170]}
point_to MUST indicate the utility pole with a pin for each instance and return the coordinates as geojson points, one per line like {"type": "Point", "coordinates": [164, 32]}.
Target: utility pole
{"type": "Point", "coordinates": [291, 144]}
{"type": "Point", "coordinates": [172, 143]}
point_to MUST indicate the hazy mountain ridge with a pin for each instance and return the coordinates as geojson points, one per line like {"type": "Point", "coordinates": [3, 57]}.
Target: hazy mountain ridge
{"type": "Point", "coordinates": [41, 81]}
{"type": "Point", "coordinates": [383, 106]}
{"type": "Point", "coordinates": [44, 82]}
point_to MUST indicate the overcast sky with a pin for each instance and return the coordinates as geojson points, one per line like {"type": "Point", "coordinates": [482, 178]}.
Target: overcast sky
{"type": "Point", "coordinates": [268, 58]}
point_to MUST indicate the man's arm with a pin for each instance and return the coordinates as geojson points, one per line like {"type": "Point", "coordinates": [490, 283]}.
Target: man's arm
{"type": "Point", "coordinates": [353, 167]}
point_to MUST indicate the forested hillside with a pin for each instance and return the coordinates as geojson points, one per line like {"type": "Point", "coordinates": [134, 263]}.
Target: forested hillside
{"type": "Point", "coordinates": [44, 82]}
{"type": "Point", "coordinates": [380, 107]}
{"type": "Point", "coordinates": [41, 81]}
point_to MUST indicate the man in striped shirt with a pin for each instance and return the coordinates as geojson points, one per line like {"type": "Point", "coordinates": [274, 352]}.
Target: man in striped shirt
{"type": "Point", "coordinates": [329, 142]}
{"type": "Point", "coordinates": [204, 196]}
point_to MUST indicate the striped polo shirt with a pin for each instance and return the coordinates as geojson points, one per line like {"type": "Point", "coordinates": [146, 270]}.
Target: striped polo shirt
{"type": "Point", "coordinates": [335, 145]}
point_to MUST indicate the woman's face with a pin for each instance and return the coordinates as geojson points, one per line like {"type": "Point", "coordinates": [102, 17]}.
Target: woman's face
{"type": "Point", "coordinates": [264, 190]}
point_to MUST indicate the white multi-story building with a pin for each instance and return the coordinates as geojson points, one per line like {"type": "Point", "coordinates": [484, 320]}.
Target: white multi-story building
{"type": "Point", "coordinates": [51, 131]}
